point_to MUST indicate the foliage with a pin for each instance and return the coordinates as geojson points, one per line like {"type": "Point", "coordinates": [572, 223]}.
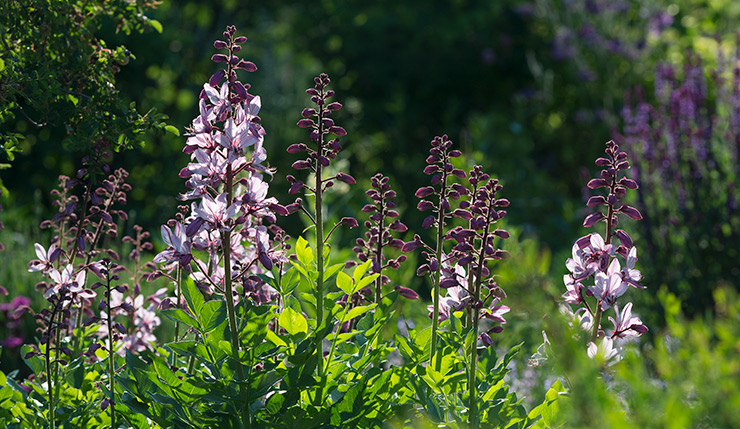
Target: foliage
{"type": "Point", "coordinates": [55, 71]}
{"type": "Point", "coordinates": [267, 330]}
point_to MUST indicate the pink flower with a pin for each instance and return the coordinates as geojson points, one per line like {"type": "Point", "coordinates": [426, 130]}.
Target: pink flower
{"type": "Point", "coordinates": [215, 212]}
{"type": "Point", "coordinates": [609, 286]}
{"type": "Point", "coordinates": [220, 101]}
{"type": "Point", "coordinates": [629, 274]}
{"type": "Point", "coordinates": [604, 351]}
{"type": "Point", "coordinates": [46, 258]}
{"type": "Point", "coordinates": [626, 324]}
{"type": "Point", "coordinates": [75, 283]}
{"type": "Point", "coordinates": [179, 245]}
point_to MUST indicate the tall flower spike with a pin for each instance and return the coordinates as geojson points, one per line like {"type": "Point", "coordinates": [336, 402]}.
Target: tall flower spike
{"type": "Point", "coordinates": [440, 167]}
{"type": "Point", "coordinates": [383, 220]}
{"type": "Point", "coordinates": [596, 259]}
{"type": "Point", "coordinates": [226, 179]}
{"type": "Point", "coordinates": [317, 120]}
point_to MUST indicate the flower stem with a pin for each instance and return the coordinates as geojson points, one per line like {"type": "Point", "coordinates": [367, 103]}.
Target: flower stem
{"type": "Point", "coordinates": [111, 365]}
{"type": "Point", "coordinates": [319, 260]}
{"type": "Point", "coordinates": [438, 273]}
{"type": "Point", "coordinates": [49, 387]}
{"type": "Point", "coordinates": [226, 245]}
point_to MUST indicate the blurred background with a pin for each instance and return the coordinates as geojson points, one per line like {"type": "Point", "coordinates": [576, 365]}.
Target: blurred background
{"type": "Point", "coordinates": [530, 89]}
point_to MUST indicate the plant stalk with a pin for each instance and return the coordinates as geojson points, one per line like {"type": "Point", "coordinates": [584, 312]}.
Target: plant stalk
{"type": "Point", "coordinates": [111, 365]}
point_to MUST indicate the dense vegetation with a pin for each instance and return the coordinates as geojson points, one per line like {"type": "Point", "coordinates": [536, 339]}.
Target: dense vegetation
{"type": "Point", "coordinates": [327, 287]}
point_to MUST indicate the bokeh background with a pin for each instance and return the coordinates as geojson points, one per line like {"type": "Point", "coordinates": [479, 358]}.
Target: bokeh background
{"type": "Point", "coordinates": [530, 89]}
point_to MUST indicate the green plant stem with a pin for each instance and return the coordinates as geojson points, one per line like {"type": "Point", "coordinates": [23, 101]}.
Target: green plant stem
{"type": "Point", "coordinates": [379, 252]}
{"type": "Point", "coordinates": [49, 387]}
{"type": "Point", "coordinates": [226, 245]}
{"type": "Point", "coordinates": [438, 273]}
{"type": "Point", "coordinates": [473, 369]}
{"type": "Point", "coordinates": [334, 344]}
{"type": "Point", "coordinates": [179, 298]}
{"type": "Point", "coordinates": [319, 258]}
{"type": "Point", "coordinates": [111, 365]}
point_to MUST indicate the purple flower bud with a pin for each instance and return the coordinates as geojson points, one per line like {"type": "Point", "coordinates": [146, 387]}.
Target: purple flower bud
{"type": "Point", "coordinates": [502, 202]}
{"type": "Point", "coordinates": [436, 179]}
{"type": "Point", "coordinates": [411, 245]}
{"type": "Point", "coordinates": [462, 214]}
{"type": "Point", "coordinates": [240, 39]}
{"type": "Point", "coordinates": [295, 188]}
{"type": "Point", "coordinates": [425, 205]}
{"type": "Point", "coordinates": [501, 233]}
{"type": "Point", "coordinates": [628, 183]}
{"type": "Point", "coordinates": [297, 148]}
{"type": "Point", "coordinates": [431, 169]}
{"type": "Point", "coordinates": [631, 212]}
{"type": "Point", "coordinates": [406, 292]}
{"type": "Point", "coordinates": [398, 226]}
{"type": "Point", "coordinates": [324, 161]}
{"type": "Point", "coordinates": [219, 44]}
{"type": "Point", "coordinates": [624, 238]}
{"type": "Point", "coordinates": [219, 58]}
{"type": "Point", "coordinates": [458, 173]}
{"type": "Point", "coordinates": [346, 178]}
{"type": "Point", "coordinates": [592, 219]}
{"type": "Point", "coordinates": [240, 90]}
{"type": "Point", "coordinates": [349, 222]}
{"type": "Point", "coordinates": [597, 183]}
{"type": "Point", "coordinates": [217, 78]}
{"type": "Point", "coordinates": [305, 123]}
{"type": "Point", "coordinates": [448, 283]}
{"type": "Point", "coordinates": [279, 209]}
{"type": "Point", "coordinates": [455, 153]}
{"type": "Point", "coordinates": [423, 269]}
{"type": "Point", "coordinates": [602, 162]}
{"type": "Point", "coordinates": [424, 192]}
{"type": "Point", "coordinates": [338, 131]}
{"type": "Point", "coordinates": [596, 200]}
{"type": "Point", "coordinates": [302, 164]}
{"type": "Point", "coordinates": [428, 222]}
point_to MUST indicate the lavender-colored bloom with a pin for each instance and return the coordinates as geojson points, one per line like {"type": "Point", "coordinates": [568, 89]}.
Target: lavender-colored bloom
{"type": "Point", "coordinates": [604, 351]}
{"type": "Point", "coordinates": [626, 324]}
{"type": "Point", "coordinates": [46, 258]}
{"type": "Point", "coordinates": [178, 243]}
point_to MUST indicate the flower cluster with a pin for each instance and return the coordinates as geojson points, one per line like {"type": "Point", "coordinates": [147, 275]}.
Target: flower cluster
{"type": "Point", "coordinates": [380, 225]}
{"type": "Point", "coordinates": [462, 271]}
{"type": "Point", "coordinates": [596, 258]}
{"type": "Point", "coordinates": [320, 124]}
{"type": "Point", "coordinates": [226, 179]}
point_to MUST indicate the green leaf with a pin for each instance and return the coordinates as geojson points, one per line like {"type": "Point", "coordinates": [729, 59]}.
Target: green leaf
{"type": "Point", "coordinates": [212, 315]}
{"type": "Point", "coordinates": [435, 410]}
{"type": "Point", "coordinates": [289, 281]}
{"type": "Point", "coordinates": [360, 270]}
{"type": "Point", "coordinates": [366, 281]}
{"type": "Point", "coordinates": [156, 25]}
{"type": "Point", "coordinates": [179, 315]}
{"type": "Point", "coordinates": [344, 282]}
{"type": "Point", "coordinates": [293, 322]}
{"type": "Point", "coordinates": [329, 272]}
{"type": "Point", "coordinates": [192, 295]}
{"type": "Point", "coordinates": [35, 362]}
{"type": "Point", "coordinates": [303, 252]}
{"type": "Point", "coordinates": [358, 311]}
{"type": "Point", "coordinates": [172, 130]}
